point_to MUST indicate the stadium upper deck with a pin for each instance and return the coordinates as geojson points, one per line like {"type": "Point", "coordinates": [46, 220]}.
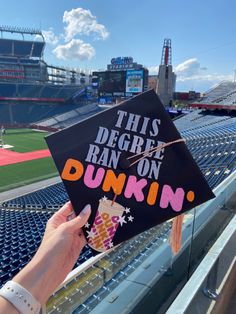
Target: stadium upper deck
{"type": "Point", "coordinates": [30, 89]}
{"type": "Point", "coordinates": [223, 96]}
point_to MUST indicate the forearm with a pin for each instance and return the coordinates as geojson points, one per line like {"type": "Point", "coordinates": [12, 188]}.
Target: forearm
{"type": "Point", "coordinates": [56, 256]}
{"type": "Point", "coordinates": [36, 279]}
{"type": "Point", "coordinates": [7, 307]}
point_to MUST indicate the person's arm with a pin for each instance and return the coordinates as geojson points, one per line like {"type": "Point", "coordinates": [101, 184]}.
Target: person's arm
{"type": "Point", "coordinates": [7, 307]}
{"type": "Point", "coordinates": [60, 248]}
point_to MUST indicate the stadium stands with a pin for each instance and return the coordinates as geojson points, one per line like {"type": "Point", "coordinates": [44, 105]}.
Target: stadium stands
{"type": "Point", "coordinates": [28, 61]}
{"type": "Point", "coordinates": [20, 235]}
{"type": "Point", "coordinates": [223, 96]}
{"type": "Point", "coordinates": [211, 138]}
{"type": "Point", "coordinates": [73, 116]}
{"type": "Point", "coordinates": [108, 273]}
{"type": "Point", "coordinates": [38, 48]}
{"type": "Point", "coordinates": [36, 90]}
{"type": "Point", "coordinates": [22, 49]}
{"type": "Point", "coordinates": [28, 81]}
{"type": "Point", "coordinates": [4, 112]}
{"type": "Point", "coordinates": [8, 88]}
{"type": "Point", "coordinates": [51, 197]}
{"type": "Point", "coordinates": [198, 119]}
{"type": "Point", "coordinates": [212, 142]}
{"type": "Point", "coordinates": [29, 113]}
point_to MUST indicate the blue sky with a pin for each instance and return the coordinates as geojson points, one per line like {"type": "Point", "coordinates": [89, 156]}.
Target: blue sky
{"type": "Point", "coordinates": [88, 33]}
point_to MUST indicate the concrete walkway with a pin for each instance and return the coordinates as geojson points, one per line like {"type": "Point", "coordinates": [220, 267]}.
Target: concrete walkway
{"type": "Point", "coordinates": [4, 196]}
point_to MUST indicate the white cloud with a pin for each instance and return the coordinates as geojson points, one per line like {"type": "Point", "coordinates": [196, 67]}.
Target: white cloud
{"type": "Point", "coordinates": [191, 75]}
{"type": "Point", "coordinates": [153, 69]}
{"type": "Point", "coordinates": [191, 70]}
{"type": "Point", "coordinates": [49, 37]}
{"type": "Point", "coordinates": [188, 68]}
{"type": "Point", "coordinates": [75, 49]}
{"type": "Point", "coordinates": [81, 22]}
{"type": "Point", "coordinates": [78, 22]}
{"type": "Point", "coordinates": [214, 78]}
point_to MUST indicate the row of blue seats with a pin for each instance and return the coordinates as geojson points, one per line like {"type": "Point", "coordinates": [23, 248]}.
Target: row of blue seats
{"type": "Point", "coordinates": [198, 119]}
{"type": "Point", "coordinates": [41, 91]}
{"type": "Point", "coordinates": [50, 197]}
{"type": "Point", "coordinates": [21, 48]}
{"type": "Point", "coordinates": [216, 148]}
{"type": "Point", "coordinates": [20, 235]}
{"type": "Point", "coordinates": [21, 230]}
{"type": "Point", "coordinates": [218, 129]}
{"type": "Point", "coordinates": [28, 113]}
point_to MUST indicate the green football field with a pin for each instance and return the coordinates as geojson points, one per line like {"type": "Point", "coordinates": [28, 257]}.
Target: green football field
{"type": "Point", "coordinates": [26, 140]}
{"type": "Point", "coordinates": [25, 173]}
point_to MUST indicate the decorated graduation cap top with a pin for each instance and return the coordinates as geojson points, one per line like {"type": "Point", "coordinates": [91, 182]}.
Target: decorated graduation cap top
{"type": "Point", "coordinates": [130, 163]}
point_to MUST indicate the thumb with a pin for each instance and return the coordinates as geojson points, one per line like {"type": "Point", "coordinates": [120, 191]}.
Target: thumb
{"type": "Point", "coordinates": [80, 220]}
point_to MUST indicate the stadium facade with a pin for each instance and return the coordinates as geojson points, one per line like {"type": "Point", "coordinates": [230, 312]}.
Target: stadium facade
{"type": "Point", "coordinates": [123, 78]}
{"type": "Point", "coordinates": [26, 80]}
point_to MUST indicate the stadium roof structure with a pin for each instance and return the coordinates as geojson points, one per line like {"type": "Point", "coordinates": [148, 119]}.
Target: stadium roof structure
{"type": "Point", "coordinates": [20, 30]}
{"type": "Point", "coordinates": [17, 47]}
{"type": "Point", "coordinates": [223, 96]}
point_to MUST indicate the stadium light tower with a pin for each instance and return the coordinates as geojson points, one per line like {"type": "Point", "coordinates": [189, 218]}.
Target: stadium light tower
{"type": "Point", "coordinates": [166, 76]}
{"type": "Point", "coordinates": [166, 52]}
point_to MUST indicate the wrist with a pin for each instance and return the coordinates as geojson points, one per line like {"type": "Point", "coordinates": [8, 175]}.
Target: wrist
{"type": "Point", "coordinates": [19, 297]}
{"type": "Point", "coordinates": [35, 279]}
{"type": "Point", "coordinates": [7, 307]}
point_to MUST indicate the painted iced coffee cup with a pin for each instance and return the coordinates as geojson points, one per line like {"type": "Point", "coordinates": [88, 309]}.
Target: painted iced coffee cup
{"type": "Point", "coordinates": [105, 225]}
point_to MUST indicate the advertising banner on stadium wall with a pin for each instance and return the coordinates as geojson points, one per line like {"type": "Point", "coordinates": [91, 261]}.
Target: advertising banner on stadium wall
{"type": "Point", "coordinates": [132, 166]}
{"type": "Point", "coordinates": [134, 81]}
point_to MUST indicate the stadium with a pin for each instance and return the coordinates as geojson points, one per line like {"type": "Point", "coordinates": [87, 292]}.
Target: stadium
{"type": "Point", "coordinates": [29, 87]}
{"type": "Point", "coordinates": [141, 275]}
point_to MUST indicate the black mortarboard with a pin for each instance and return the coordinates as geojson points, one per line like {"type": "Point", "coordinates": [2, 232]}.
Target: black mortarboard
{"type": "Point", "coordinates": [130, 163]}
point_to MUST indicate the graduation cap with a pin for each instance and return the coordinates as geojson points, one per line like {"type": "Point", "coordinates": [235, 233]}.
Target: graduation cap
{"type": "Point", "coordinates": [131, 164]}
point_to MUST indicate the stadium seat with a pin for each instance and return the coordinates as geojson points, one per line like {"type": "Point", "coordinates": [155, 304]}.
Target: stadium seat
{"type": "Point", "coordinates": [210, 138]}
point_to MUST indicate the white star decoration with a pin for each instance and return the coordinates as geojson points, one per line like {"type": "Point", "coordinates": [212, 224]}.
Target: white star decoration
{"type": "Point", "coordinates": [111, 245]}
{"type": "Point", "coordinates": [91, 233]}
{"type": "Point", "coordinates": [122, 220]}
{"type": "Point", "coordinates": [130, 218]}
{"type": "Point", "coordinates": [87, 225]}
{"type": "Point", "coordinates": [104, 198]}
{"type": "Point", "coordinates": [127, 210]}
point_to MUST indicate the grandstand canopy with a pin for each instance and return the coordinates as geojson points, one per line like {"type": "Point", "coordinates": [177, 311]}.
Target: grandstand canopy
{"type": "Point", "coordinates": [21, 48]}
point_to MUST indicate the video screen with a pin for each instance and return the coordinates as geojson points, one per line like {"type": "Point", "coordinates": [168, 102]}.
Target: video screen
{"type": "Point", "coordinates": [111, 82]}
{"type": "Point", "coordinates": [134, 81]}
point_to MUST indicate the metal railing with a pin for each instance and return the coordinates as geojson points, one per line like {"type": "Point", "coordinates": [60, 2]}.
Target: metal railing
{"type": "Point", "coordinates": [205, 277]}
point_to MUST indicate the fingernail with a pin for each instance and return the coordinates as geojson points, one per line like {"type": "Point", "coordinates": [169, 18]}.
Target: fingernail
{"type": "Point", "coordinates": [71, 216]}
{"type": "Point", "coordinates": [86, 209]}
